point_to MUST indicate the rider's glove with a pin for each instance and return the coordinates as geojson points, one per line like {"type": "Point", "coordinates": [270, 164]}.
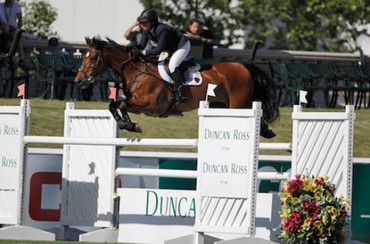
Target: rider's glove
{"type": "Point", "coordinates": [136, 52]}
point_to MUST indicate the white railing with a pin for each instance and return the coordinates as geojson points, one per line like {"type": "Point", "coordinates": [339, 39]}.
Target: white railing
{"type": "Point", "coordinates": [192, 174]}
{"type": "Point", "coordinates": [159, 143]}
{"type": "Point", "coordinates": [136, 142]}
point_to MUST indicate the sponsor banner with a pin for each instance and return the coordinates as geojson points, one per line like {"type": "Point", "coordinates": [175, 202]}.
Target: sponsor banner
{"type": "Point", "coordinates": [12, 120]}
{"type": "Point", "coordinates": [43, 190]}
{"type": "Point", "coordinates": [160, 214]}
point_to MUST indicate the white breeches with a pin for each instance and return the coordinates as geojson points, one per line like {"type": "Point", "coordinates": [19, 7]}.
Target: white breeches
{"type": "Point", "coordinates": [178, 56]}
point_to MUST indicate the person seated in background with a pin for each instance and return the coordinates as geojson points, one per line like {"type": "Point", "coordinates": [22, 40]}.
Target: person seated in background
{"type": "Point", "coordinates": [195, 29]}
{"type": "Point", "coordinates": [61, 84]}
{"type": "Point", "coordinates": [12, 19]}
{"type": "Point", "coordinates": [53, 47]}
{"type": "Point", "coordinates": [3, 33]}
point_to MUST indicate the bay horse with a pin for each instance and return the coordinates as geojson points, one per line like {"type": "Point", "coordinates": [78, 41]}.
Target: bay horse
{"type": "Point", "coordinates": [238, 85]}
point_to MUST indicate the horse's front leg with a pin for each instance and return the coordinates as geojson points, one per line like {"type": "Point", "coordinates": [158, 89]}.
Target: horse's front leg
{"type": "Point", "coordinates": [128, 123]}
{"type": "Point", "coordinates": [113, 106]}
{"type": "Point", "coordinates": [123, 122]}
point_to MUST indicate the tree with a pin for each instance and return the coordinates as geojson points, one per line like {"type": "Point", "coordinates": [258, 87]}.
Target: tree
{"type": "Point", "coordinates": [332, 25]}
{"type": "Point", "coordinates": [37, 18]}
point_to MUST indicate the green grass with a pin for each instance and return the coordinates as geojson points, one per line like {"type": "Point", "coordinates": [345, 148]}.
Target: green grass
{"type": "Point", "coordinates": [47, 118]}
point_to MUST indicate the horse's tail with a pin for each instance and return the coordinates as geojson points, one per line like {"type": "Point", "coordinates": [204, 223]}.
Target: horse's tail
{"type": "Point", "coordinates": [264, 91]}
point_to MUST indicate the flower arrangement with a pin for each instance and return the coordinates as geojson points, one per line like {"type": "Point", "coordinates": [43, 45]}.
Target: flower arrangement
{"type": "Point", "coordinates": [310, 213]}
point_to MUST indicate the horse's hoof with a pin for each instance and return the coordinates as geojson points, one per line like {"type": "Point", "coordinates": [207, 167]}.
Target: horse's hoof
{"type": "Point", "coordinates": [137, 128]}
{"type": "Point", "coordinates": [266, 133]}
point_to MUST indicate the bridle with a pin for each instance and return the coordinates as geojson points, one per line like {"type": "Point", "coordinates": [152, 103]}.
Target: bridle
{"type": "Point", "coordinates": [89, 79]}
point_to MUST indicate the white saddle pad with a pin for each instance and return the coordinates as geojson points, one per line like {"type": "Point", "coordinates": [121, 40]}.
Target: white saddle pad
{"type": "Point", "coordinates": [194, 78]}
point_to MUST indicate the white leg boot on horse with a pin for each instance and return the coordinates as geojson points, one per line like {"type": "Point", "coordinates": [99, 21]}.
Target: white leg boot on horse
{"type": "Point", "coordinates": [178, 78]}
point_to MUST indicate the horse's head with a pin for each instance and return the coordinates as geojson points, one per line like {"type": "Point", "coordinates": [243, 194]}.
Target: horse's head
{"type": "Point", "coordinates": [92, 62]}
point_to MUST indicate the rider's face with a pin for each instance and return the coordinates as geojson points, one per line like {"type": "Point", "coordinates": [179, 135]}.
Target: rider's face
{"type": "Point", "coordinates": [145, 26]}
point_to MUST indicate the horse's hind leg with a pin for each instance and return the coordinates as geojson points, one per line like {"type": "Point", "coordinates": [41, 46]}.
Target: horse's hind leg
{"type": "Point", "coordinates": [265, 131]}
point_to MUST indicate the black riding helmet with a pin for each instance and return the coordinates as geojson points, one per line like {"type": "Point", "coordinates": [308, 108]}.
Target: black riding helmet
{"type": "Point", "coordinates": [148, 15]}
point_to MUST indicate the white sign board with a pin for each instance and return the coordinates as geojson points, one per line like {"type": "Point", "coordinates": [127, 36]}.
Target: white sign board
{"type": "Point", "coordinates": [223, 167]}
{"type": "Point", "coordinates": [153, 215]}
{"type": "Point", "coordinates": [323, 146]}
{"type": "Point", "coordinates": [227, 167]}
{"type": "Point", "coordinates": [88, 171]}
{"type": "Point", "coordinates": [12, 130]}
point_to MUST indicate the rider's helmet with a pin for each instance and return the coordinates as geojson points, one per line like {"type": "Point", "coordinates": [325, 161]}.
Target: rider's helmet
{"type": "Point", "coordinates": [148, 15]}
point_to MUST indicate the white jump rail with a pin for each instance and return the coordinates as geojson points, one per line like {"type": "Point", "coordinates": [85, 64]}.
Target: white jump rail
{"type": "Point", "coordinates": [137, 142]}
{"type": "Point", "coordinates": [160, 143]}
{"type": "Point", "coordinates": [192, 174]}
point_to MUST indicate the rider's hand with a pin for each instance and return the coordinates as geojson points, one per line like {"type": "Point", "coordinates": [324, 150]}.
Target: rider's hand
{"type": "Point", "coordinates": [136, 52]}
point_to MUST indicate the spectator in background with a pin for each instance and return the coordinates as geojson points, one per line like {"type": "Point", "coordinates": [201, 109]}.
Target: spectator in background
{"type": "Point", "coordinates": [53, 47]}
{"type": "Point", "coordinates": [12, 13]}
{"type": "Point", "coordinates": [61, 84]}
{"type": "Point", "coordinates": [196, 29]}
{"type": "Point", "coordinates": [3, 33]}
{"type": "Point", "coordinates": [134, 34]}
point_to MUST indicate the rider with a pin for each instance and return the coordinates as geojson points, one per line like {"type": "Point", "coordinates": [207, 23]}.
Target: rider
{"type": "Point", "coordinates": [164, 38]}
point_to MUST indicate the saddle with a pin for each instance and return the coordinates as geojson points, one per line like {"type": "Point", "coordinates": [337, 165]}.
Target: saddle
{"type": "Point", "coordinates": [189, 68]}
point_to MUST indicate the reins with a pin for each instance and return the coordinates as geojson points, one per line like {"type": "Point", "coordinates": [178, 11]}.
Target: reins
{"type": "Point", "coordinates": [146, 70]}
{"type": "Point", "coordinates": [99, 59]}
{"type": "Point", "coordinates": [126, 61]}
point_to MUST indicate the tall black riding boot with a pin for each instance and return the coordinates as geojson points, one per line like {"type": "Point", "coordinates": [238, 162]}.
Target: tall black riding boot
{"type": "Point", "coordinates": [178, 79]}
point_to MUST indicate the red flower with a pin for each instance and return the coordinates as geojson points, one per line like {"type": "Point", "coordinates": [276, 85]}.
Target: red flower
{"type": "Point", "coordinates": [306, 204]}
{"type": "Point", "coordinates": [320, 181]}
{"type": "Point", "coordinates": [294, 222]}
{"type": "Point", "coordinates": [295, 185]}
{"type": "Point", "coordinates": [343, 212]}
{"type": "Point", "coordinates": [310, 207]}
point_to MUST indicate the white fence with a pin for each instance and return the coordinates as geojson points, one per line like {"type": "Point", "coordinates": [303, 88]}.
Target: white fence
{"type": "Point", "coordinates": [13, 126]}
{"type": "Point", "coordinates": [89, 170]}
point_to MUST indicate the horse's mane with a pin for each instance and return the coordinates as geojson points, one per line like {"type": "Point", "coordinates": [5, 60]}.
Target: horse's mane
{"type": "Point", "coordinates": [101, 44]}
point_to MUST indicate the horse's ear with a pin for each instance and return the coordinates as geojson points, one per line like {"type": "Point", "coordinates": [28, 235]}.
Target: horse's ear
{"type": "Point", "coordinates": [88, 41]}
